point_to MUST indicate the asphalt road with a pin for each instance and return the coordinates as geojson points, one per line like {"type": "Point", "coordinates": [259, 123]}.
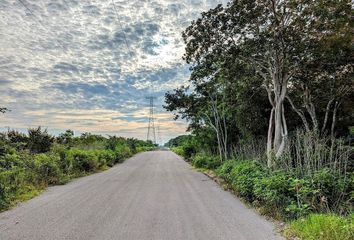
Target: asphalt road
{"type": "Point", "coordinates": [153, 195]}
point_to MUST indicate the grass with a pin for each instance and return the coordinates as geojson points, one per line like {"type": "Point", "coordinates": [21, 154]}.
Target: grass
{"type": "Point", "coordinates": [26, 193]}
{"type": "Point", "coordinates": [322, 227]}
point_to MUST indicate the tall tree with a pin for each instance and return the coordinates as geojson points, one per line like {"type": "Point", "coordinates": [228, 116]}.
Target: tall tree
{"type": "Point", "coordinates": [275, 37]}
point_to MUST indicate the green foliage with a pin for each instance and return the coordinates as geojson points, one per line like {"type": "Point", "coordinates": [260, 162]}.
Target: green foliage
{"type": "Point", "coordinates": [65, 162]}
{"type": "Point", "coordinates": [178, 141]}
{"type": "Point", "coordinates": [208, 162]}
{"type": "Point", "coordinates": [13, 183]}
{"type": "Point", "coordinates": [47, 169]}
{"type": "Point", "coordinates": [83, 160]}
{"type": "Point", "coordinates": [66, 138]}
{"type": "Point", "coordinates": [274, 190]}
{"type": "Point", "coordinates": [243, 177]}
{"type": "Point", "coordinates": [283, 194]}
{"type": "Point", "coordinates": [122, 151]}
{"type": "Point", "coordinates": [321, 226]}
{"type": "Point", "coordinates": [10, 160]}
{"type": "Point", "coordinates": [178, 150]}
{"type": "Point", "coordinates": [186, 146]}
{"type": "Point", "coordinates": [16, 139]}
{"type": "Point", "coordinates": [232, 51]}
{"type": "Point", "coordinates": [106, 158]}
{"type": "Point", "coordinates": [39, 141]}
{"type": "Point", "coordinates": [224, 171]}
{"type": "Point", "coordinates": [23, 173]}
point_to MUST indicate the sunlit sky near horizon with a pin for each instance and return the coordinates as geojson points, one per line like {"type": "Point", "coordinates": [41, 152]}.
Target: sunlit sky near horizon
{"type": "Point", "coordinates": [81, 65]}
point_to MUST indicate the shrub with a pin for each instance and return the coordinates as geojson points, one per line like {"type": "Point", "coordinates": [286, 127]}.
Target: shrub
{"type": "Point", "coordinates": [224, 171]}
{"type": "Point", "coordinates": [39, 141]}
{"type": "Point", "coordinates": [208, 162]}
{"type": "Point", "coordinates": [189, 150]}
{"type": "Point", "coordinates": [47, 169]}
{"type": "Point", "coordinates": [10, 160]}
{"type": "Point", "coordinates": [178, 151]}
{"type": "Point", "coordinates": [4, 189]}
{"type": "Point", "coordinates": [66, 138]}
{"type": "Point", "coordinates": [321, 226]}
{"type": "Point", "coordinates": [65, 161]}
{"type": "Point", "coordinates": [243, 177]}
{"type": "Point", "coordinates": [12, 139]}
{"type": "Point", "coordinates": [144, 148]}
{"type": "Point", "coordinates": [83, 161]}
{"type": "Point", "coordinates": [274, 191]}
{"type": "Point", "coordinates": [12, 183]}
{"type": "Point", "coordinates": [112, 142]}
{"type": "Point", "coordinates": [122, 152]}
{"type": "Point", "coordinates": [332, 190]}
{"type": "Point", "coordinates": [106, 158]}
{"type": "Point", "coordinates": [23, 174]}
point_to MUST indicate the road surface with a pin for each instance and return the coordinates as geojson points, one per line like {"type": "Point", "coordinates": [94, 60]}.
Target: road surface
{"type": "Point", "coordinates": [152, 196]}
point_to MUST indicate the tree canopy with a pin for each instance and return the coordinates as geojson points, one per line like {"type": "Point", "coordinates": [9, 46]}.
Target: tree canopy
{"type": "Point", "coordinates": [259, 68]}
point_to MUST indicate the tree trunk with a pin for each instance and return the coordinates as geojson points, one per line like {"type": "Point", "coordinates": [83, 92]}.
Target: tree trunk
{"type": "Point", "coordinates": [300, 113]}
{"type": "Point", "coordinates": [278, 127]}
{"type": "Point", "coordinates": [270, 139]}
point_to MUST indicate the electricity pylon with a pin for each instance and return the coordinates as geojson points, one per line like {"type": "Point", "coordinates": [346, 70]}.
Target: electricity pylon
{"type": "Point", "coordinates": [151, 127]}
{"type": "Point", "coordinates": [159, 138]}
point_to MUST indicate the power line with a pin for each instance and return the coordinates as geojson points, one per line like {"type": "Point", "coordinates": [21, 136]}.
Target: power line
{"type": "Point", "coordinates": [25, 6]}
{"type": "Point", "coordinates": [121, 27]}
{"type": "Point", "coordinates": [39, 21]}
{"type": "Point", "coordinates": [159, 133]}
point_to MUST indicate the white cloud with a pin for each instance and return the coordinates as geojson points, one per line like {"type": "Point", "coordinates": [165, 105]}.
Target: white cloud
{"type": "Point", "coordinates": [59, 57]}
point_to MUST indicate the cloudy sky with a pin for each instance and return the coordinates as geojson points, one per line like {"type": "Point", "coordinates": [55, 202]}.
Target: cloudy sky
{"type": "Point", "coordinates": [88, 65]}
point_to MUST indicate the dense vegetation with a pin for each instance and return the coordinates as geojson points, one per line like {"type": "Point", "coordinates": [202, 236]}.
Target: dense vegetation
{"type": "Point", "coordinates": [270, 105]}
{"type": "Point", "coordinates": [286, 193]}
{"type": "Point", "coordinates": [30, 162]}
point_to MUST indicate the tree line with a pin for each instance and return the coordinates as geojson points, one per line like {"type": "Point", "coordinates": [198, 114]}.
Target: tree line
{"type": "Point", "coordinates": [270, 108]}
{"type": "Point", "coordinates": [266, 68]}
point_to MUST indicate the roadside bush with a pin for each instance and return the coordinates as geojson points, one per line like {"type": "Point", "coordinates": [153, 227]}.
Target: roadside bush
{"type": "Point", "coordinates": [332, 191]}
{"type": "Point", "coordinates": [13, 139]}
{"type": "Point", "coordinates": [13, 183]}
{"type": "Point", "coordinates": [322, 226]}
{"type": "Point", "coordinates": [178, 150]}
{"type": "Point", "coordinates": [122, 152]}
{"type": "Point", "coordinates": [112, 142]}
{"type": "Point", "coordinates": [280, 191]}
{"type": "Point", "coordinates": [25, 171]}
{"type": "Point", "coordinates": [47, 169]}
{"type": "Point", "coordinates": [189, 150]}
{"type": "Point", "coordinates": [243, 177]}
{"type": "Point", "coordinates": [302, 193]}
{"type": "Point", "coordinates": [106, 158]}
{"type": "Point", "coordinates": [10, 160]}
{"type": "Point", "coordinates": [83, 161]}
{"type": "Point", "coordinates": [208, 162]}
{"type": "Point", "coordinates": [224, 171]}
{"type": "Point", "coordinates": [65, 161]}
{"type": "Point", "coordinates": [144, 149]}
{"type": "Point", "coordinates": [5, 188]}
{"type": "Point", "coordinates": [274, 190]}
{"type": "Point", "coordinates": [186, 151]}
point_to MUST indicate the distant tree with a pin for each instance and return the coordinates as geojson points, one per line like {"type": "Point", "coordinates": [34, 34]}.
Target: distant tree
{"type": "Point", "coordinates": [39, 141]}
{"type": "Point", "coordinates": [223, 108]}
{"type": "Point", "coordinates": [66, 137]}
